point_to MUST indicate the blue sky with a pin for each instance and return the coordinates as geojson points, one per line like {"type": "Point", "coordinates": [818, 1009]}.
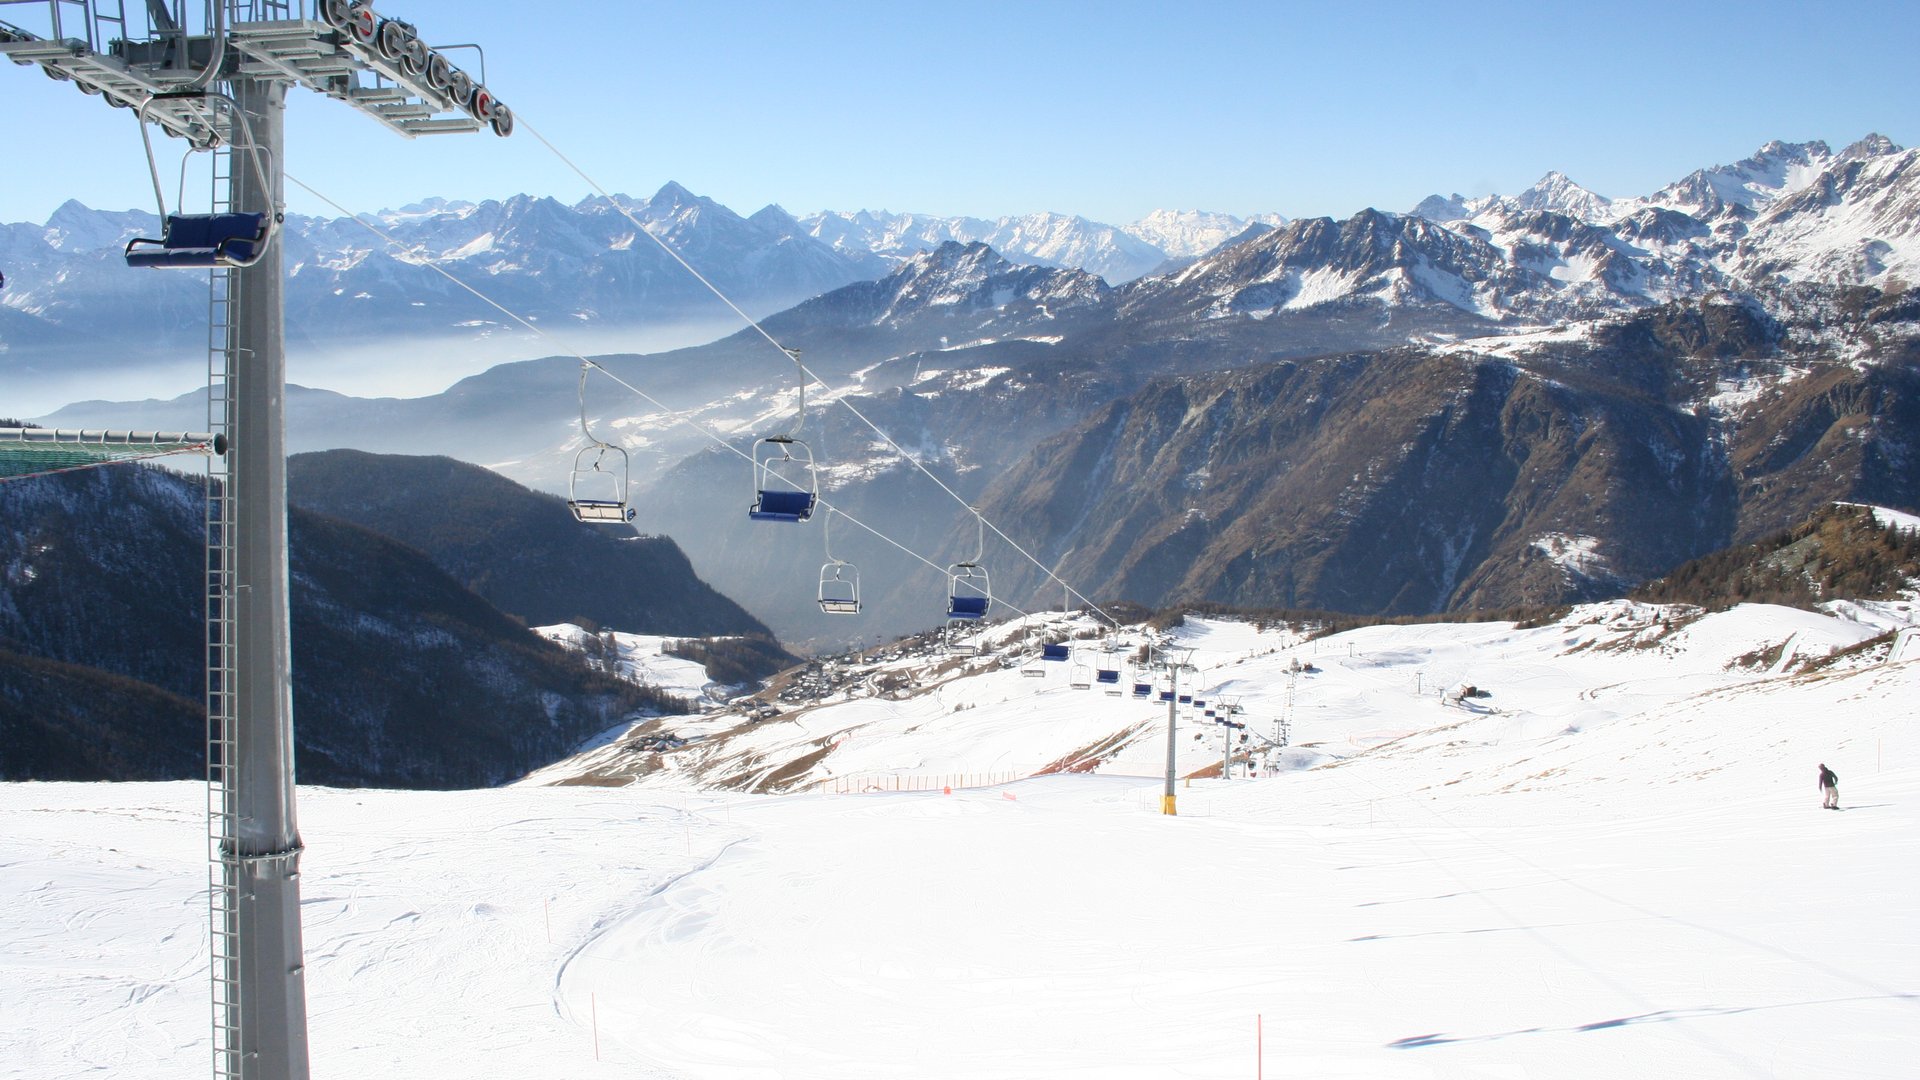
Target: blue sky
{"type": "Point", "coordinates": [1104, 109]}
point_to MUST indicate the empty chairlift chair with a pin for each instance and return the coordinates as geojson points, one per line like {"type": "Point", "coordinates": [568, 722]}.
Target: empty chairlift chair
{"type": "Point", "coordinates": [1057, 652]}
{"type": "Point", "coordinates": [1082, 677]}
{"type": "Point", "coordinates": [198, 241]}
{"type": "Point", "coordinates": [204, 241]}
{"type": "Point", "coordinates": [839, 579]}
{"type": "Point", "coordinates": [840, 589]}
{"type": "Point", "coordinates": [777, 496]}
{"type": "Point", "coordinates": [1110, 679]}
{"type": "Point", "coordinates": [597, 490]}
{"type": "Point", "coordinates": [1034, 668]}
{"type": "Point", "coordinates": [969, 592]}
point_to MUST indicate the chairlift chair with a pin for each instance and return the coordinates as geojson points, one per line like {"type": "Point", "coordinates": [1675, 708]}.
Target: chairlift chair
{"type": "Point", "coordinates": [969, 592]}
{"type": "Point", "coordinates": [1186, 699]}
{"type": "Point", "coordinates": [839, 579]}
{"type": "Point", "coordinates": [1081, 678]}
{"type": "Point", "coordinates": [955, 642]}
{"type": "Point", "coordinates": [1110, 679]}
{"type": "Point", "coordinates": [204, 241]}
{"type": "Point", "coordinates": [1057, 652]}
{"type": "Point", "coordinates": [1142, 690]}
{"type": "Point", "coordinates": [778, 497]}
{"type": "Point", "coordinates": [840, 588]}
{"type": "Point", "coordinates": [1166, 695]}
{"type": "Point", "coordinates": [597, 491]}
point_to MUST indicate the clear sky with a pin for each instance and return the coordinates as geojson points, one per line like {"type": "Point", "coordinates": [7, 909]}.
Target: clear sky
{"type": "Point", "coordinates": [1107, 109]}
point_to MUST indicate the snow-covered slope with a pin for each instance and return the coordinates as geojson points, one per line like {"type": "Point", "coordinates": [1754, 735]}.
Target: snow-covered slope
{"type": "Point", "coordinates": [1612, 865]}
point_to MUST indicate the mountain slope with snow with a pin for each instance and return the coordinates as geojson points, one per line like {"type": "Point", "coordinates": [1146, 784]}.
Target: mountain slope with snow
{"type": "Point", "coordinates": [1613, 864]}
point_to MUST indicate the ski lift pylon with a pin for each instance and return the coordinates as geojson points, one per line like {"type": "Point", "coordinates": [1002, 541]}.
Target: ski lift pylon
{"type": "Point", "coordinates": [202, 241]}
{"type": "Point", "coordinates": [597, 490]}
{"type": "Point", "coordinates": [839, 579]}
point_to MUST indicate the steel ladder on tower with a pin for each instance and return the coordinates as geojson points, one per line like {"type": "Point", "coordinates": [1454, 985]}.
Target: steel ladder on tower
{"type": "Point", "coordinates": [223, 894]}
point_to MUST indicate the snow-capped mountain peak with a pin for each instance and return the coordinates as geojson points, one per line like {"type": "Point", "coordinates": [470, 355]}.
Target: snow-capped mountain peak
{"type": "Point", "coordinates": [1556, 192]}
{"type": "Point", "coordinates": [1442, 208]}
{"type": "Point", "coordinates": [1189, 233]}
{"type": "Point", "coordinates": [1873, 145]}
{"type": "Point", "coordinates": [1776, 169]}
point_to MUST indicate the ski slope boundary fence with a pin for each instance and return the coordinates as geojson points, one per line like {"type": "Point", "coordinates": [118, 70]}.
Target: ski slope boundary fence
{"type": "Point", "coordinates": [874, 783]}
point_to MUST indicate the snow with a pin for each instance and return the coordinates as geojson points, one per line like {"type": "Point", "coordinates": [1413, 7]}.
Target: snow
{"type": "Point", "coordinates": [1318, 287]}
{"type": "Point", "coordinates": [1577, 556]}
{"type": "Point", "coordinates": [641, 659]}
{"type": "Point", "coordinates": [1614, 865]}
{"type": "Point", "coordinates": [1889, 518]}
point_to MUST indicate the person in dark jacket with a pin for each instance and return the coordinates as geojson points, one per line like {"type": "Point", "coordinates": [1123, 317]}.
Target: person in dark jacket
{"type": "Point", "coordinates": [1829, 789]}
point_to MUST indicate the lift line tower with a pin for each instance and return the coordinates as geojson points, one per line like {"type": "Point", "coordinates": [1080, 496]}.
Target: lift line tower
{"type": "Point", "coordinates": [216, 74]}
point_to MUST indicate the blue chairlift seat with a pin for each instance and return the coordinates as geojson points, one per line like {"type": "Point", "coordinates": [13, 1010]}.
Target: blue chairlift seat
{"type": "Point", "coordinates": [1198, 704]}
{"type": "Point", "coordinates": [794, 506]}
{"type": "Point", "coordinates": [195, 241]}
{"type": "Point", "coordinates": [1186, 699]}
{"type": "Point", "coordinates": [1166, 695]}
{"type": "Point", "coordinates": [776, 496]}
{"type": "Point", "coordinates": [1106, 676]}
{"type": "Point", "coordinates": [966, 607]}
{"type": "Point", "coordinates": [1055, 652]}
{"type": "Point", "coordinates": [1142, 690]}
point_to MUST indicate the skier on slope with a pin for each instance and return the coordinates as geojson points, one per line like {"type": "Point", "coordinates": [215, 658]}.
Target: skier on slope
{"type": "Point", "coordinates": [1829, 789]}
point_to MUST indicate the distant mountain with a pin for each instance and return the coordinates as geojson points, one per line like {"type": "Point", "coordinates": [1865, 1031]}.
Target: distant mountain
{"type": "Point", "coordinates": [1058, 240]}
{"type": "Point", "coordinates": [520, 549]}
{"type": "Point", "coordinates": [1751, 184]}
{"type": "Point", "coordinates": [972, 362]}
{"type": "Point", "coordinates": [1419, 480]}
{"type": "Point", "coordinates": [1183, 234]}
{"type": "Point", "coordinates": [404, 678]}
{"type": "Point", "coordinates": [72, 306]}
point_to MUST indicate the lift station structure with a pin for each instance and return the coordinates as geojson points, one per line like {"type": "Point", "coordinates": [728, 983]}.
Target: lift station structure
{"type": "Point", "coordinates": [216, 74]}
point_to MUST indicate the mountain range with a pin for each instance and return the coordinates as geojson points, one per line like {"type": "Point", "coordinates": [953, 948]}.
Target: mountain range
{"type": "Point", "coordinates": [1536, 397]}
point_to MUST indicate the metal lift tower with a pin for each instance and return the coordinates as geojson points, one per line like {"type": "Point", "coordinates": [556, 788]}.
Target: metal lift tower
{"type": "Point", "coordinates": [216, 74]}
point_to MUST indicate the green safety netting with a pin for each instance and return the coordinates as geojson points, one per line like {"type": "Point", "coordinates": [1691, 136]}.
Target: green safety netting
{"type": "Point", "coordinates": [28, 452]}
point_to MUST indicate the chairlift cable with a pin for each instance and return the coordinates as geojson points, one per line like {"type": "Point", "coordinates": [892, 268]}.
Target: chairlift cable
{"type": "Point", "coordinates": [807, 373]}
{"type": "Point", "coordinates": [432, 263]}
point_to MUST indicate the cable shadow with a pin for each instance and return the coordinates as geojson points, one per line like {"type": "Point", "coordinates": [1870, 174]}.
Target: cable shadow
{"type": "Point", "coordinates": [1487, 930]}
{"type": "Point", "coordinates": [1662, 1016]}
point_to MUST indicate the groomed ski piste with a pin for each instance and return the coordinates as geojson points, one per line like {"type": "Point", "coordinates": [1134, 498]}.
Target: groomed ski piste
{"type": "Point", "coordinates": [1612, 865]}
